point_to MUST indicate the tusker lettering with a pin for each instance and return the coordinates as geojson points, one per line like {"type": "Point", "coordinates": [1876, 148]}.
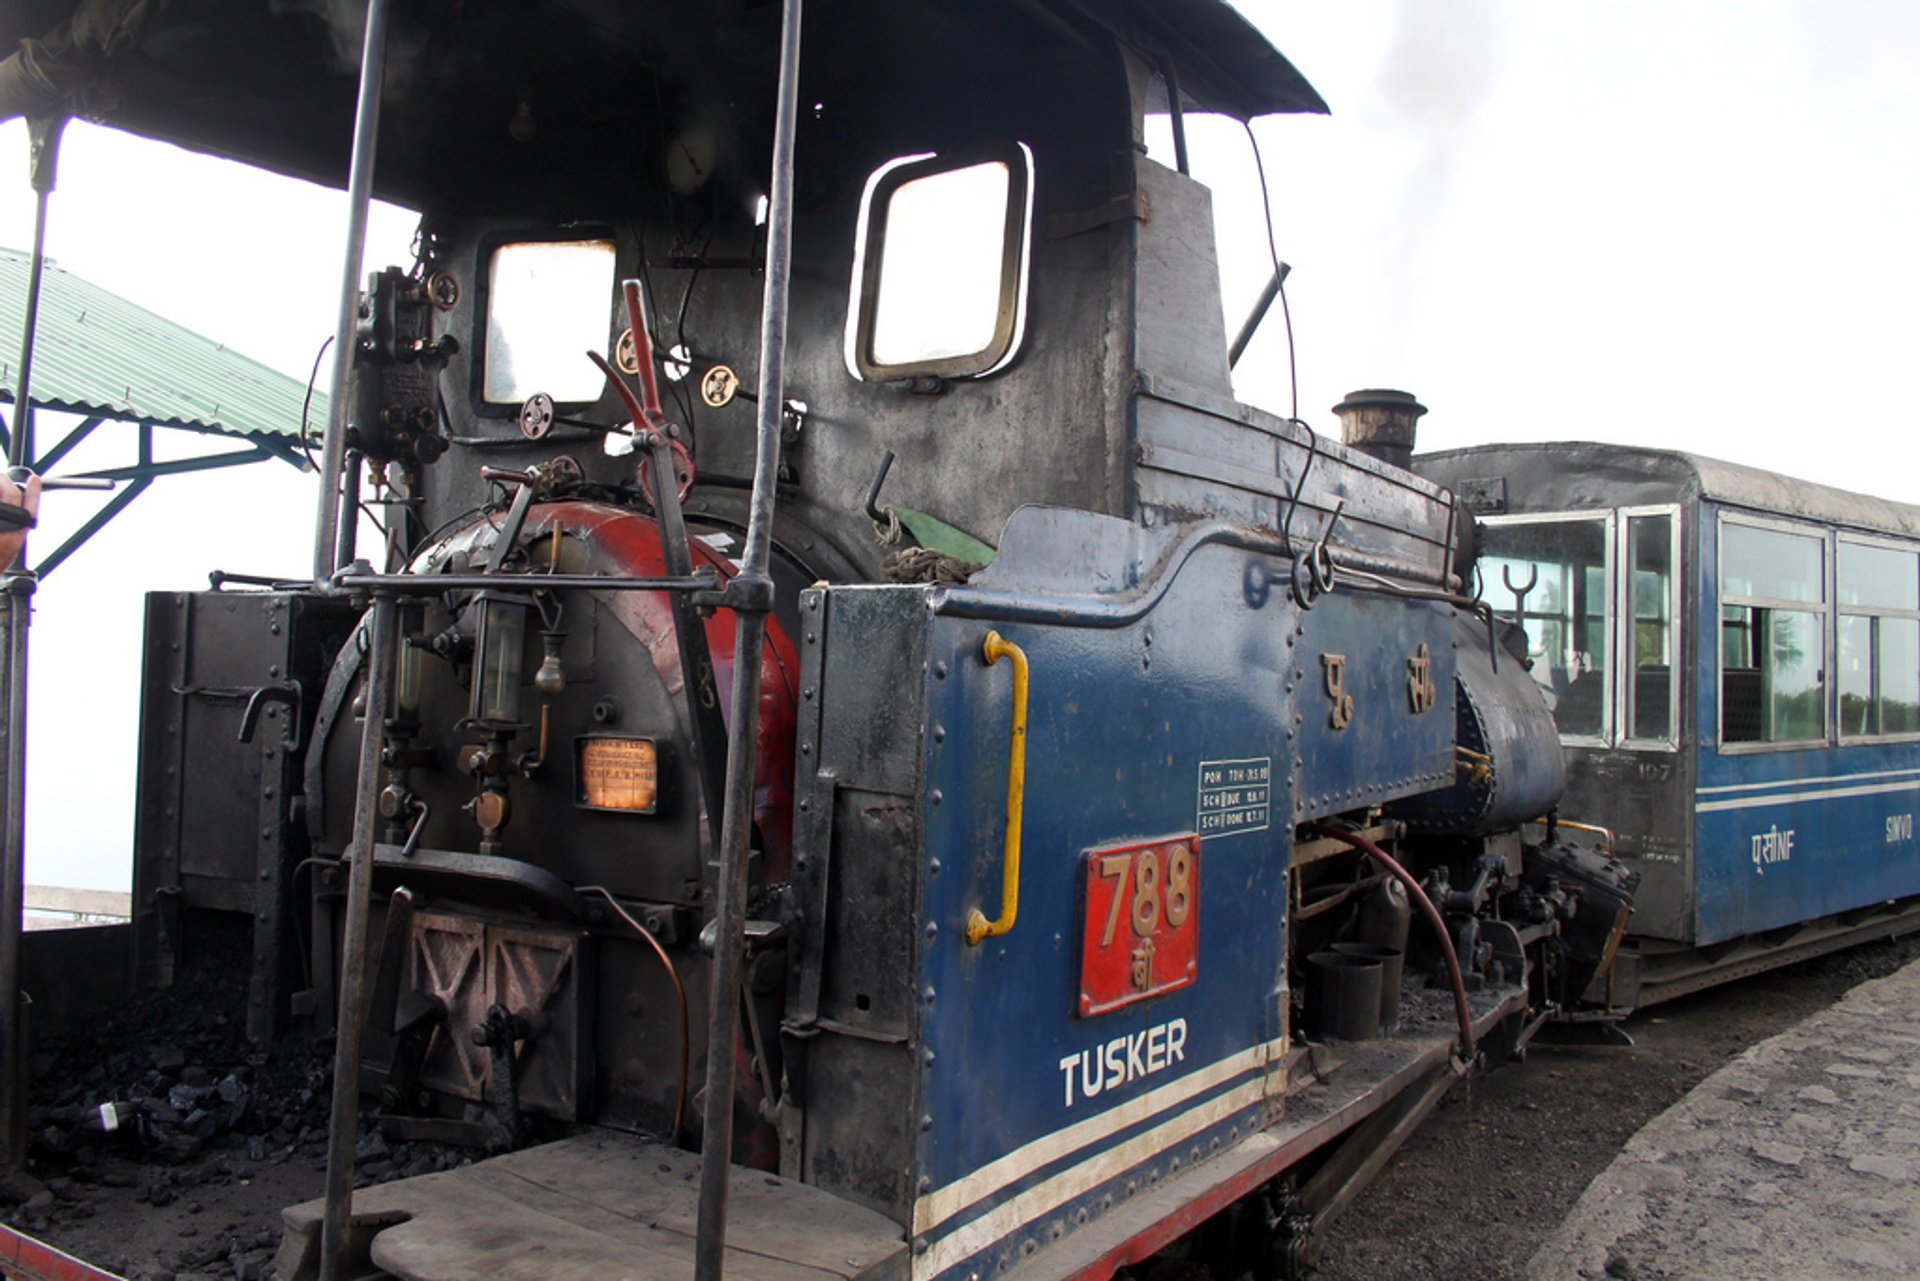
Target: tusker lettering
{"type": "Point", "coordinates": [1125, 1058]}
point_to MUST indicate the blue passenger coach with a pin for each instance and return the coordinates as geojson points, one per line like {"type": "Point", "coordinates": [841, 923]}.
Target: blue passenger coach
{"type": "Point", "coordinates": [1734, 659]}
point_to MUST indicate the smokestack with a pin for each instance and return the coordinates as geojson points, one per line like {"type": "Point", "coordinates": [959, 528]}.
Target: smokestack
{"type": "Point", "coordinates": [1381, 423]}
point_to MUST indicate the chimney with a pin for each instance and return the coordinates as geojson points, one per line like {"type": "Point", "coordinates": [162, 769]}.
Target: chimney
{"type": "Point", "coordinates": [1380, 423]}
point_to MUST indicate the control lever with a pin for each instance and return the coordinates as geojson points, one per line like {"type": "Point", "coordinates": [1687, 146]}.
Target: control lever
{"type": "Point", "coordinates": [499, 1035]}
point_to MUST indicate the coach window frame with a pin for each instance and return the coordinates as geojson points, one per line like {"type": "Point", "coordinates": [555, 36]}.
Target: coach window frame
{"type": "Point", "coordinates": [1844, 611]}
{"type": "Point", "coordinates": [1822, 536]}
{"type": "Point", "coordinates": [1627, 620]}
{"type": "Point", "coordinates": [1609, 519]}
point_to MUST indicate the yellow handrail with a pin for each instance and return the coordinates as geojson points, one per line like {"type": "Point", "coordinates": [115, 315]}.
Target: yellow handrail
{"type": "Point", "coordinates": [978, 926]}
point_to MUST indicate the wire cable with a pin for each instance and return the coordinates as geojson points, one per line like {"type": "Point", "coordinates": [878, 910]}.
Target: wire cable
{"type": "Point", "coordinates": [307, 403]}
{"type": "Point", "coordinates": [1273, 252]}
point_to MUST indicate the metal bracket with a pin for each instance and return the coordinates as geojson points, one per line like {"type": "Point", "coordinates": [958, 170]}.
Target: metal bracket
{"type": "Point", "coordinates": [741, 594]}
{"type": "Point", "coordinates": [288, 692]}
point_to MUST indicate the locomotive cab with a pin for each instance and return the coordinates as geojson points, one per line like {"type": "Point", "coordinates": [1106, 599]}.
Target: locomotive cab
{"type": "Point", "coordinates": [846, 690]}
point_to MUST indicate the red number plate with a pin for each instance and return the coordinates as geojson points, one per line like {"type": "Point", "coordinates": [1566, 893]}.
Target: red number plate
{"type": "Point", "coordinates": [1143, 922]}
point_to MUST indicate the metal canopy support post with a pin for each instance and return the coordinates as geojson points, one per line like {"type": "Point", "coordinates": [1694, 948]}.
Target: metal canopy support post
{"type": "Point", "coordinates": [146, 469]}
{"type": "Point", "coordinates": [98, 521]}
{"type": "Point", "coordinates": [753, 597]}
{"type": "Point", "coordinates": [142, 477]}
{"type": "Point", "coordinates": [67, 445]}
{"type": "Point", "coordinates": [344, 1119]}
{"type": "Point", "coordinates": [366, 131]}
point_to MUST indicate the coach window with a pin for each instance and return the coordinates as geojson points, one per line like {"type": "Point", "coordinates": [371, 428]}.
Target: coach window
{"type": "Point", "coordinates": [1650, 640]}
{"type": "Point", "coordinates": [1773, 626]}
{"type": "Point", "coordinates": [1554, 575]}
{"type": "Point", "coordinates": [940, 267]}
{"type": "Point", "coordinates": [1878, 589]}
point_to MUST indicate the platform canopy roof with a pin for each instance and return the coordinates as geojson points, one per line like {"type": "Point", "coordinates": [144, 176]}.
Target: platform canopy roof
{"type": "Point", "coordinates": [105, 359]}
{"type": "Point", "coordinates": [100, 356]}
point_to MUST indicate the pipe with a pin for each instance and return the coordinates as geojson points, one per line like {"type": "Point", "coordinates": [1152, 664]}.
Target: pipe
{"type": "Point", "coordinates": [343, 1120]}
{"type": "Point", "coordinates": [723, 999]}
{"type": "Point", "coordinates": [43, 133]}
{"type": "Point", "coordinates": [1176, 117]}
{"type": "Point", "coordinates": [1251, 325]}
{"type": "Point", "coordinates": [705, 578]}
{"type": "Point", "coordinates": [679, 993]}
{"type": "Point", "coordinates": [366, 131]}
{"type": "Point", "coordinates": [347, 536]}
{"type": "Point", "coordinates": [1434, 919]}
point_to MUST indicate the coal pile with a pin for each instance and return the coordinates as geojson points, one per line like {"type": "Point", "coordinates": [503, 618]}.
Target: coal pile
{"type": "Point", "coordinates": [163, 1145]}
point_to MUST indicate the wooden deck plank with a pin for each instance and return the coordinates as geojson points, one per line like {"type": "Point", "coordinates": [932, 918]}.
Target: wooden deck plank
{"type": "Point", "coordinates": [610, 1205]}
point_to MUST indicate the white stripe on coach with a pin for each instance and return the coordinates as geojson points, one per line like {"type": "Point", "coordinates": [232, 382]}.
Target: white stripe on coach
{"type": "Point", "coordinates": [1825, 794]}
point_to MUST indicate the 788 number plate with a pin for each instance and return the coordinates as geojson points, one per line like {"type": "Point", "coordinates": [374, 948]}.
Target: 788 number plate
{"type": "Point", "coordinates": [1142, 928]}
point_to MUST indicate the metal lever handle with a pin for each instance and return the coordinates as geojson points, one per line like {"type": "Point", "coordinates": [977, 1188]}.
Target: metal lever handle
{"type": "Point", "coordinates": [979, 927]}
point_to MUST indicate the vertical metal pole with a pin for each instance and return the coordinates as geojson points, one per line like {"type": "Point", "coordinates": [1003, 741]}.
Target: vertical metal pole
{"type": "Point", "coordinates": [18, 590]}
{"type": "Point", "coordinates": [343, 1121]}
{"type": "Point", "coordinates": [754, 589]}
{"type": "Point", "coordinates": [43, 134]}
{"type": "Point", "coordinates": [366, 137]}
{"type": "Point", "coordinates": [43, 141]}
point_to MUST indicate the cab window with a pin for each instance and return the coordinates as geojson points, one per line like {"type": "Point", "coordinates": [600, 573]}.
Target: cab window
{"type": "Point", "coordinates": [940, 273]}
{"type": "Point", "coordinates": [548, 304]}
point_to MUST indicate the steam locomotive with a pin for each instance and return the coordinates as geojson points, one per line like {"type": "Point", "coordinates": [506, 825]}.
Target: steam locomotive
{"type": "Point", "coordinates": [857, 755]}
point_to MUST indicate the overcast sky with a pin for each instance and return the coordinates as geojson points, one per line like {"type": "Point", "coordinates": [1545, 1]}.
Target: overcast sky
{"type": "Point", "coordinates": [1690, 225]}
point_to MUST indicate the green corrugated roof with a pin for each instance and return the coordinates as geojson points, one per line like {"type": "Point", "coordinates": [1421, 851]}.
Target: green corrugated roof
{"type": "Point", "coordinates": [100, 355]}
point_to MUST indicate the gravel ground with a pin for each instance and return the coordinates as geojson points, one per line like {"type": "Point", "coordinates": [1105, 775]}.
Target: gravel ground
{"type": "Point", "coordinates": [1506, 1155]}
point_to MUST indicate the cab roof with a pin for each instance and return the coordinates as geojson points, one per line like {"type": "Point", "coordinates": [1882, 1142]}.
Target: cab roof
{"type": "Point", "coordinates": [273, 84]}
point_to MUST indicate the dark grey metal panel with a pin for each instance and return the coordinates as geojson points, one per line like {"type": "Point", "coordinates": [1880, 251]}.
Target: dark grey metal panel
{"type": "Point", "coordinates": [214, 820]}
{"type": "Point", "coordinates": [1179, 323]}
{"type": "Point", "coordinates": [1200, 455]}
{"type": "Point", "coordinates": [1646, 798]}
{"type": "Point", "coordinates": [858, 852]}
{"type": "Point", "coordinates": [867, 964]}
